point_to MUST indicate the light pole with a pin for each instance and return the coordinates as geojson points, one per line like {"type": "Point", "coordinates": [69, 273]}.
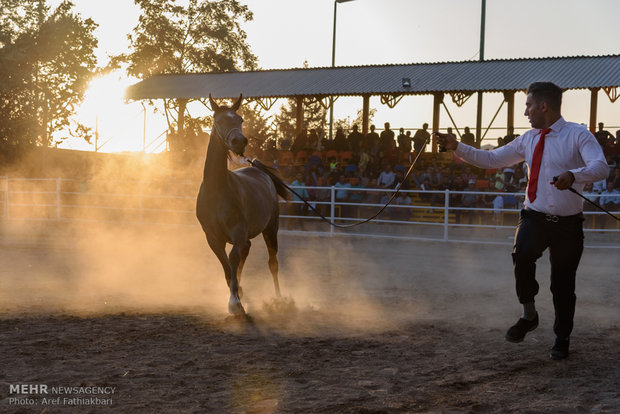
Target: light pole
{"type": "Point", "coordinates": [331, 107]}
{"type": "Point", "coordinates": [481, 58]}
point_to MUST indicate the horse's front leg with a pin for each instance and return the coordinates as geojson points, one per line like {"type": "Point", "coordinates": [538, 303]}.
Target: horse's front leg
{"type": "Point", "coordinates": [237, 254]}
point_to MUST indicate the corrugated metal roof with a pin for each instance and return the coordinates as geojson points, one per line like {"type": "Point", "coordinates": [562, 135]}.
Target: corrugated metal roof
{"type": "Point", "coordinates": [469, 76]}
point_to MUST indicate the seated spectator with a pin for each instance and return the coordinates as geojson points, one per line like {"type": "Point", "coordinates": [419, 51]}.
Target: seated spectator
{"type": "Point", "coordinates": [498, 205]}
{"type": "Point", "coordinates": [468, 176]}
{"type": "Point", "coordinates": [350, 170]}
{"type": "Point", "coordinates": [591, 194]}
{"type": "Point", "coordinates": [468, 200]}
{"type": "Point", "coordinates": [356, 196]}
{"type": "Point", "coordinates": [599, 186]}
{"type": "Point", "coordinates": [509, 173]}
{"type": "Point", "coordinates": [438, 198]}
{"type": "Point", "coordinates": [500, 183]}
{"type": "Point", "coordinates": [510, 200]}
{"type": "Point", "coordinates": [387, 177]}
{"type": "Point", "coordinates": [426, 186]}
{"type": "Point", "coordinates": [342, 194]}
{"type": "Point", "coordinates": [610, 198]}
{"type": "Point", "coordinates": [401, 213]}
{"type": "Point", "coordinates": [364, 160]}
{"type": "Point", "coordinates": [614, 177]}
{"type": "Point", "coordinates": [457, 184]}
{"type": "Point", "coordinates": [372, 197]}
{"type": "Point", "coordinates": [400, 180]}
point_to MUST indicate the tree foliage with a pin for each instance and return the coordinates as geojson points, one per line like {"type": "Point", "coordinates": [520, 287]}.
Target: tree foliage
{"type": "Point", "coordinates": [201, 36]}
{"type": "Point", "coordinates": [347, 124]}
{"type": "Point", "coordinates": [46, 61]}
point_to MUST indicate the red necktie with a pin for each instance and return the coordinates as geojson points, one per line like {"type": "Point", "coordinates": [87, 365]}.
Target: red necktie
{"type": "Point", "coordinates": [538, 151]}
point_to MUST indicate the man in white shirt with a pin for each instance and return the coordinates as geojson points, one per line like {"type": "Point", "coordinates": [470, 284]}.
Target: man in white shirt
{"type": "Point", "coordinates": [559, 154]}
{"type": "Point", "coordinates": [386, 177]}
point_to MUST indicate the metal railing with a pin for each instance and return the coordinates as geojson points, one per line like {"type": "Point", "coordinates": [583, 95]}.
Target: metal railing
{"type": "Point", "coordinates": [427, 215]}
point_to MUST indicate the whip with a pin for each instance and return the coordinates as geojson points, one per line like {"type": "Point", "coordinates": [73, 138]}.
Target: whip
{"type": "Point", "coordinates": [572, 190]}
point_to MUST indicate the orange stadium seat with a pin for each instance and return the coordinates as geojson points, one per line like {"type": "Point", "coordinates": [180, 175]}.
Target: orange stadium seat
{"type": "Point", "coordinates": [301, 157]}
{"type": "Point", "coordinates": [346, 156]}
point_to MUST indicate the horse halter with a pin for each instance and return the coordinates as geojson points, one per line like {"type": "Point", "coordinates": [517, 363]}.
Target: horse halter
{"type": "Point", "coordinates": [223, 137]}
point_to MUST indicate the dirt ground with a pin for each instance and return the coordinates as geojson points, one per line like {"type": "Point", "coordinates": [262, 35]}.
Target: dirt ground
{"type": "Point", "coordinates": [367, 326]}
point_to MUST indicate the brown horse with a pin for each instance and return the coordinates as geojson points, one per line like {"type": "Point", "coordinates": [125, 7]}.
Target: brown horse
{"type": "Point", "coordinates": [236, 206]}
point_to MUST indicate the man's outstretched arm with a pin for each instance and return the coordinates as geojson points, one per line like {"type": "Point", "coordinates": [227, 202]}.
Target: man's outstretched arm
{"type": "Point", "coordinates": [500, 157]}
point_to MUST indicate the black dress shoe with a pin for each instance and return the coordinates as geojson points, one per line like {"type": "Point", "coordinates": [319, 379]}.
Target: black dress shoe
{"type": "Point", "coordinates": [517, 332]}
{"type": "Point", "coordinates": [560, 349]}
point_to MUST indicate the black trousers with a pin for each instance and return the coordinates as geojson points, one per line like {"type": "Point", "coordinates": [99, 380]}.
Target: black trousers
{"type": "Point", "coordinates": [564, 237]}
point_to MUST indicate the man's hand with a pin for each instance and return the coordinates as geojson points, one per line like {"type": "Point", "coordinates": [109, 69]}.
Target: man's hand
{"type": "Point", "coordinates": [564, 181]}
{"type": "Point", "coordinates": [447, 141]}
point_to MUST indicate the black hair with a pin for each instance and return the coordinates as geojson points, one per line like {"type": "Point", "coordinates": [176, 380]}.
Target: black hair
{"type": "Point", "coordinates": [547, 92]}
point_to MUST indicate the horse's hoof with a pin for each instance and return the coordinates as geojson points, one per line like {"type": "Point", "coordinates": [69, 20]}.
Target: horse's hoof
{"type": "Point", "coordinates": [236, 308]}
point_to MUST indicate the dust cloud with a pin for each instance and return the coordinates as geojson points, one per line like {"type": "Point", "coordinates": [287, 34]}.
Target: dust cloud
{"type": "Point", "coordinates": [128, 241]}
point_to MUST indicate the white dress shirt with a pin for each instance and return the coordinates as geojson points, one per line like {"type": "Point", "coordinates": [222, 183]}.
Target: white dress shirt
{"type": "Point", "coordinates": [568, 147]}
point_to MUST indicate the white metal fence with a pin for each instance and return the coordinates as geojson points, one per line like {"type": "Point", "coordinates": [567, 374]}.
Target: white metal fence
{"type": "Point", "coordinates": [428, 215]}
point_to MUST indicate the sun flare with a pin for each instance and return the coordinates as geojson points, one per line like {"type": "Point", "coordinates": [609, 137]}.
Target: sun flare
{"type": "Point", "coordinates": [116, 125]}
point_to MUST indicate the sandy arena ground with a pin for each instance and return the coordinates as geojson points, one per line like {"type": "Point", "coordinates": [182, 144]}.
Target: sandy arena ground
{"type": "Point", "coordinates": [369, 326]}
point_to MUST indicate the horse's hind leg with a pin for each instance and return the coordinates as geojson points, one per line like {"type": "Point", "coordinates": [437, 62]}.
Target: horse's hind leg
{"type": "Point", "coordinates": [271, 240]}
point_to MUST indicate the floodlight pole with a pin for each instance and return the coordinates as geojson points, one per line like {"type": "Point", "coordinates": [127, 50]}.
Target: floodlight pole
{"type": "Point", "coordinates": [481, 58]}
{"type": "Point", "coordinates": [331, 106]}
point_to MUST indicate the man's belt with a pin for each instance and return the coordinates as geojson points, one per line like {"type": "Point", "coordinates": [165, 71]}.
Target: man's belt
{"type": "Point", "coordinates": [555, 219]}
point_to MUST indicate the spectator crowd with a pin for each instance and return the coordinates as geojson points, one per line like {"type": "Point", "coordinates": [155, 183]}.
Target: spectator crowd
{"type": "Point", "coordinates": [379, 161]}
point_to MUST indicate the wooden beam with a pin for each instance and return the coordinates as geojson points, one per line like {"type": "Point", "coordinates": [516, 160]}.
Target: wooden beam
{"type": "Point", "coordinates": [509, 97]}
{"type": "Point", "coordinates": [479, 121]}
{"type": "Point", "coordinates": [300, 116]}
{"type": "Point", "coordinates": [437, 100]}
{"type": "Point", "coordinates": [593, 108]}
{"type": "Point", "coordinates": [365, 114]}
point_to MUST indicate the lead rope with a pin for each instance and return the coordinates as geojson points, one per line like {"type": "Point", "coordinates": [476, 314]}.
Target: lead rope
{"type": "Point", "coordinates": [345, 226]}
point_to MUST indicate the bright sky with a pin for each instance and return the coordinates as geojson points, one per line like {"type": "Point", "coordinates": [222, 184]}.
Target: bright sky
{"type": "Point", "coordinates": [285, 33]}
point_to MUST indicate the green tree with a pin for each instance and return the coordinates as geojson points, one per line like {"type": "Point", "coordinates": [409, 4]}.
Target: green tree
{"type": "Point", "coordinates": [347, 124]}
{"type": "Point", "coordinates": [285, 122]}
{"type": "Point", "coordinates": [46, 61]}
{"type": "Point", "coordinates": [203, 36]}
{"type": "Point", "coordinates": [257, 128]}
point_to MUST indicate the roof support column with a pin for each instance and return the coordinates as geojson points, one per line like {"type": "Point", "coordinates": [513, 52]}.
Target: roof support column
{"type": "Point", "coordinates": [593, 108]}
{"type": "Point", "coordinates": [437, 101]}
{"type": "Point", "coordinates": [509, 97]}
{"type": "Point", "coordinates": [479, 121]}
{"type": "Point", "coordinates": [300, 115]}
{"type": "Point", "coordinates": [365, 113]}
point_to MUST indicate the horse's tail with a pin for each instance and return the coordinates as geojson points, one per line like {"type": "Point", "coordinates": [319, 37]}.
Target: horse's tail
{"type": "Point", "coordinates": [273, 174]}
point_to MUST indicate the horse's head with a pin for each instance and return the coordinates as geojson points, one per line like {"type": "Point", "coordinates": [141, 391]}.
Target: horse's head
{"type": "Point", "coordinates": [227, 125]}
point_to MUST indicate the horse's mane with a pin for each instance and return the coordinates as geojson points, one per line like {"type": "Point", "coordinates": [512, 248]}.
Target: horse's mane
{"type": "Point", "coordinates": [275, 177]}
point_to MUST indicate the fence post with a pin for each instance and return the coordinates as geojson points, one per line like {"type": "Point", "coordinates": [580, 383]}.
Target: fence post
{"type": "Point", "coordinates": [58, 199]}
{"type": "Point", "coordinates": [446, 211]}
{"type": "Point", "coordinates": [332, 208]}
